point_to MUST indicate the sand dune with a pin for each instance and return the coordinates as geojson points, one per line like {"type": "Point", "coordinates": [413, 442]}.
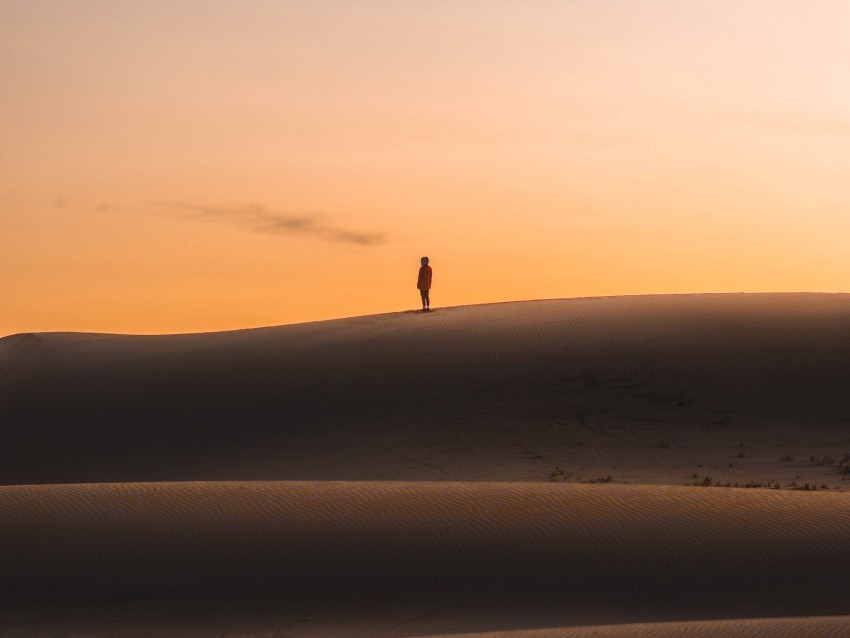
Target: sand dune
{"type": "Point", "coordinates": [419, 558]}
{"type": "Point", "coordinates": [646, 389]}
{"type": "Point", "coordinates": [430, 474]}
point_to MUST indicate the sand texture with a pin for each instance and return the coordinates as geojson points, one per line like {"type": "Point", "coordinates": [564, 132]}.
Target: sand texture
{"type": "Point", "coordinates": [432, 556]}
{"type": "Point", "coordinates": [834, 627]}
{"type": "Point", "coordinates": [551, 468]}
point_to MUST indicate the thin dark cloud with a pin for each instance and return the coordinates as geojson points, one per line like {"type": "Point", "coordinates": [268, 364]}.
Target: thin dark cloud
{"type": "Point", "coordinates": [262, 220]}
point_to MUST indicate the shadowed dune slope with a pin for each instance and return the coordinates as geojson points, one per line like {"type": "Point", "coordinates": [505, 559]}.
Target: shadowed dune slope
{"type": "Point", "coordinates": [461, 393]}
{"type": "Point", "coordinates": [414, 558]}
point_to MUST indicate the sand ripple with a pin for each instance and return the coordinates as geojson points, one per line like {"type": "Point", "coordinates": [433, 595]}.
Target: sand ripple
{"type": "Point", "coordinates": [506, 555]}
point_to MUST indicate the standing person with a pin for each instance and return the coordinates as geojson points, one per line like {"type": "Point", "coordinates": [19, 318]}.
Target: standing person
{"type": "Point", "coordinates": [424, 284]}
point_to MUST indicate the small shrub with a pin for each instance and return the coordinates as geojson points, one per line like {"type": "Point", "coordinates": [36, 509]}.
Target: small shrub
{"type": "Point", "coordinates": [606, 479]}
{"type": "Point", "coordinates": [806, 487]}
{"type": "Point", "coordinates": [558, 475]}
{"type": "Point", "coordinates": [822, 460]}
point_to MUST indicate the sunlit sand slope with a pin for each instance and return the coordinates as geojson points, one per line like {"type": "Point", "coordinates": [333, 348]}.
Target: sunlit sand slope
{"type": "Point", "coordinates": [425, 558]}
{"type": "Point", "coordinates": [647, 389]}
{"type": "Point", "coordinates": [835, 627]}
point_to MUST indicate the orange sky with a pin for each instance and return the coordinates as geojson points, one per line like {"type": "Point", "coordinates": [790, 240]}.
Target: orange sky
{"type": "Point", "coordinates": [202, 165]}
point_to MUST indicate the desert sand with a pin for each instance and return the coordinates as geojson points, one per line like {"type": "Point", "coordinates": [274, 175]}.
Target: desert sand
{"type": "Point", "coordinates": [671, 465]}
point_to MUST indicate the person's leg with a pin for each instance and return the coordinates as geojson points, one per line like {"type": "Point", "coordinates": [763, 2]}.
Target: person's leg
{"type": "Point", "coordinates": [427, 299]}
{"type": "Point", "coordinates": [424, 295]}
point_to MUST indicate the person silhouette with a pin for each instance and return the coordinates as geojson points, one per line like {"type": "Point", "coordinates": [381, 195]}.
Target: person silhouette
{"type": "Point", "coordinates": [424, 284]}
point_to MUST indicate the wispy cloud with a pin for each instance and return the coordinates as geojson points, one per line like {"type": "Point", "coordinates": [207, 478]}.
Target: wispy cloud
{"type": "Point", "coordinates": [263, 220]}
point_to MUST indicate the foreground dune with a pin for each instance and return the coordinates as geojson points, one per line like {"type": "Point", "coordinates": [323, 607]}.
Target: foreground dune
{"type": "Point", "coordinates": [407, 558]}
{"type": "Point", "coordinates": [655, 389]}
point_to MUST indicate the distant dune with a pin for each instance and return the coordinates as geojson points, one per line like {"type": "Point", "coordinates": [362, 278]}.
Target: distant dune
{"type": "Point", "coordinates": [563, 468]}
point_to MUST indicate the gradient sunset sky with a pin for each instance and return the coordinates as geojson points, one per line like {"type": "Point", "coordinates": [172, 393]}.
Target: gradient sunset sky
{"type": "Point", "coordinates": [192, 165]}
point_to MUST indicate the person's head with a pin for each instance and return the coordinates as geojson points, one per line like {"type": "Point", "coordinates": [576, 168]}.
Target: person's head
{"type": "Point", "coordinates": [424, 261]}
